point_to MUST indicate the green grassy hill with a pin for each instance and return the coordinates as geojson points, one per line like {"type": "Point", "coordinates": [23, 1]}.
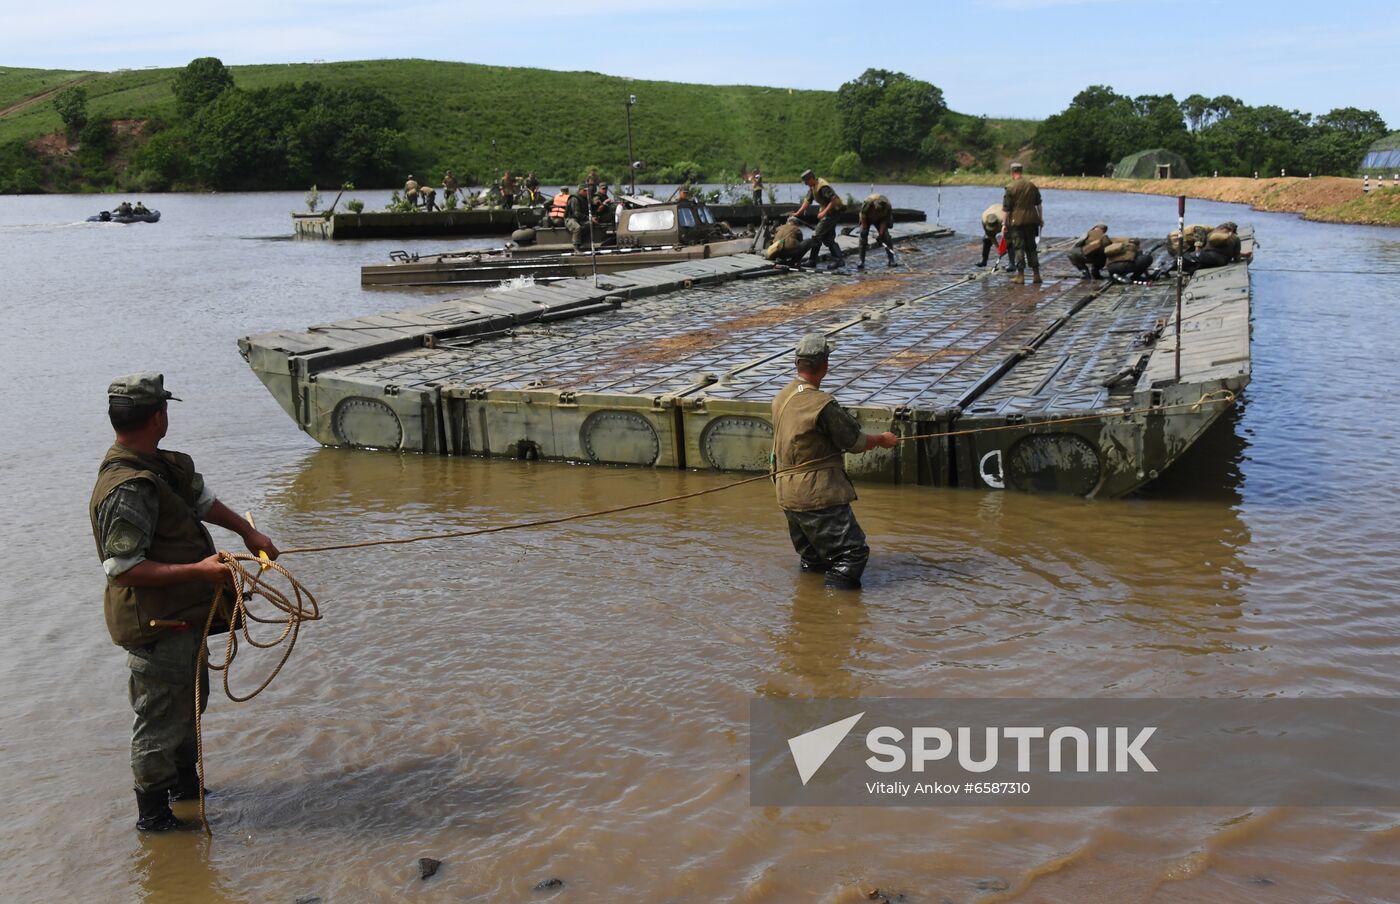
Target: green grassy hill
{"type": "Point", "coordinates": [17, 85]}
{"type": "Point", "coordinates": [556, 123]}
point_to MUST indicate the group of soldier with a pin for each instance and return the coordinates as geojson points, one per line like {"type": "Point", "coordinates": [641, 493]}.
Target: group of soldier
{"type": "Point", "coordinates": [789, 247]}
{"type": "Point", "coordinates": [507, 191]}
{"type": "Point", "coordinates": [1013, 226]}
{"type": "Point", "coordinates": [126, 209]}
{"type": "Point", "coordinates": [579, 211]}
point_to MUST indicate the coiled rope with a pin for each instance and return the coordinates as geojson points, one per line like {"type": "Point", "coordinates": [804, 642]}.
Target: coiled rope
{"type": "Point", "coordinates": [296, 604]}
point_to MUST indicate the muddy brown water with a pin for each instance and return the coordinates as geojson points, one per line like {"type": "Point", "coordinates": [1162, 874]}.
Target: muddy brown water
{"type": "Point", "coordinates": [571, 701]}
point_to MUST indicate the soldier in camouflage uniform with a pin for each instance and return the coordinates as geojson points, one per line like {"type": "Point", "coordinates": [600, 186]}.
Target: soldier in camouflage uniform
{"type": "Point", "coordinates": [1087, 255]}
{"type": "Point", "coordinates": [579, 218]}
{"type": "Point", "coordinates": [876, 211]}
{"type": "Point", "coordinates": [787, 246]}
{"type": "Point", "coordinates": [991, 228]}
{"type": "Point", "coordinates": [811, 433]}
{"type": "Point", "coordinates": [148, 510]}
{"type": "Point", "coordinates": [829, 207]}
{"type": "Point", "coordinates": [1022, 215]}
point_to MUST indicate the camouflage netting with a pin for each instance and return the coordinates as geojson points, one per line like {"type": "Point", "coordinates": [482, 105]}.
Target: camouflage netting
{"type": "Point", "coordinates": [1383, 157]}
{"type": "Point", "coordinates": [1144, 165]}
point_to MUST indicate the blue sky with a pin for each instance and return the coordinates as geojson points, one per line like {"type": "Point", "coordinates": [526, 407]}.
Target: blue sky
{"type": "Point", "coordinates": [997, 57]}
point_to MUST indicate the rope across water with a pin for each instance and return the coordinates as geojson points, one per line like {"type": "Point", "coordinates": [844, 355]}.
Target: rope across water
{"type": "Point", "coordinates": [296, 604]}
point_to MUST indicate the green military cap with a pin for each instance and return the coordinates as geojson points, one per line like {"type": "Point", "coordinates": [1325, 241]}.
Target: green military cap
{"type": "Point", "coordinates": [813, 346]}
{"type": "Point", "coordinates": [1230, 226]}
{"type": "Point", "coordinates": [807, 174]}
{"type": "Point", "coordinates": [1103, 226]}
{"type": "Point", "coordinates": [138, 389]}
{"type": "Point", "coordinates": [1017, 167]}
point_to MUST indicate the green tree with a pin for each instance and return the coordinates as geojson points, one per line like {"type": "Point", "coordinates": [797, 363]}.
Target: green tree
{"type": "Point", "coordinates": [885, 116]}
{"type": "Point", "coordinates": [71, 105]}
{"type": "Point", "coordinates": [846, 166]}
{"type": "Point", "coordinates": [199, 83]}
{"type": "Point", "coordinates": [1098, 128]}
{"type": "Point", "coordinates": [1338, 140]}
{"type": "Point", "coordinates": [1193, 111]}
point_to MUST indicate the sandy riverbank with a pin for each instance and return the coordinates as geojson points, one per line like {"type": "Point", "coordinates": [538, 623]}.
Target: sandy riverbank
{"type": "Point", "coordinates": [1329, 199]}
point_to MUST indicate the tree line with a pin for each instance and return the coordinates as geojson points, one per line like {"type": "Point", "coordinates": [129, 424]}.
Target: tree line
{"type": "Point", "coordinates": [1220, 134]}
{"type": "Point", "coordinates": [225, 138]}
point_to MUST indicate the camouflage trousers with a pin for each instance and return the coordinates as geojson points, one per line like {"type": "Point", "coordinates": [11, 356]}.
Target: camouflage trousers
{"type": "Point", "coordinates": [1022, 247]}
{"type": "Point", "coordinates": [161, 690]}
{"type": "Point", "coordinates": [825, 234]}
{"type": "Point", "coordinates": [882, 237]}
{"type": "Point", "coordinates": [829, 540]}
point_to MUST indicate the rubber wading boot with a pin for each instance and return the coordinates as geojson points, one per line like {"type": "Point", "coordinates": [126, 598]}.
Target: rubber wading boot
{"type": "Point", "coordinates": [1035, 277]}
{"type": "Point", "coordinates": [861, 265]}
{"type": "Point", "coordinates": [811, 567]}
{"type": "Point", "coordinates": [982, 262]}
{"type": "Point", "coordinates": [187, 784]}
{"type": "Point", "coordinates": [838, 580]}
{"type": "Point", "coordinates": [892, 260]}
{"type": "Point", "coordinates": [153, 813]}
{"type": "Point", "coordinates": [1019, 279]}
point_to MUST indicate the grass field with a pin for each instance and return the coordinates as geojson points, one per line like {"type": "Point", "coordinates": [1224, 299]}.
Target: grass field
{"type": "Point", "coordinates": [556, 123]}
{"type": "Point", "coordinates": [18, 84]}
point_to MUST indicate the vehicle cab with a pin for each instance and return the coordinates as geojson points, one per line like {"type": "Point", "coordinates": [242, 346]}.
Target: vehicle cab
{"type": "Point", "coordinates": [678, 223]}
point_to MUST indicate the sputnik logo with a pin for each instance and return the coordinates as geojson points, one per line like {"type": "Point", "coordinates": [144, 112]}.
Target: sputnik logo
{"type": "Point", "coordinates": [811, 749]}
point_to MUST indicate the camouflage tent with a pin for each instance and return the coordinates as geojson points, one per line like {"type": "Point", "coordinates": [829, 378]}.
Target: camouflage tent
{"type": "Point", "coordinates": [1156, 163]}
{"type": "Point", "coordinates": [1383, 157]}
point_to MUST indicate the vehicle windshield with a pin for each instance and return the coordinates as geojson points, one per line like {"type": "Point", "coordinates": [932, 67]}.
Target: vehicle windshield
{"type": "Point", "coordinates": [705, 215]}
{"type": "Point", "coordinates": [652, 220]}
{"type": "Point", "coordinates": [687, 217]}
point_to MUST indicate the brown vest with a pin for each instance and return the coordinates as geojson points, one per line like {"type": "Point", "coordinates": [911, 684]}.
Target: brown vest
{"type": "Point", "coordinates": [837, 203]}
{"type": "Point", "coordinates": [178, 537]}
{"type": "Point", "coordinates": [797, 441]}
{"type": "Point", "coordinates": [1124, 249]}
{"type": "Point", "coordinates": [1094, 240]}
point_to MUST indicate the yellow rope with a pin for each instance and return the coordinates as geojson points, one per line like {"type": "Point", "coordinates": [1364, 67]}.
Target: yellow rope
{"type": "Point", "coordinates": [296, 608]}
{"type": "Point", "coordinates": [298, 605]}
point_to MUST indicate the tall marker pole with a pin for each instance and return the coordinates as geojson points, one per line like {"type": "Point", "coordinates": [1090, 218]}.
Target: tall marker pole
{"type": "Point", "coordinates": [631, 161]}
{"type": "Point", "coordinates": [1180, 274]}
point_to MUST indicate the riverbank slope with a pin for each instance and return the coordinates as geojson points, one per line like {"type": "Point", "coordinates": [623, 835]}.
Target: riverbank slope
{"type": "Point", "coordinates": [1327, 199]}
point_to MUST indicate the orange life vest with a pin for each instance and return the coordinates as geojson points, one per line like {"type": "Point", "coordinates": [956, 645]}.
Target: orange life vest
{"type": "Point", "coordinates": [559, 206]}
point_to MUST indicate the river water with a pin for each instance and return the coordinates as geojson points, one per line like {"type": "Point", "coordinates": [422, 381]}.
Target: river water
{"type": "Point", "coordinates": [572, 701]}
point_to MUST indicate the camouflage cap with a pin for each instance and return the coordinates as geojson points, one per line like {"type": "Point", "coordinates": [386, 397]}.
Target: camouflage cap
{"type": "Point", "coordinates": [138, 389]}
{"type": "Point", "coordinates": [807, 174]}
{"type": "Point", "coordinates": [1017, 167]}
{"type": "Point", "coordinates": [813, 347]}
{"type": "Point", "coordinates": [1229, 225]}
{"type": "Point", "coordinates": [794, 221]}
{"type": "Point", "coordinates": [1103, 226]}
